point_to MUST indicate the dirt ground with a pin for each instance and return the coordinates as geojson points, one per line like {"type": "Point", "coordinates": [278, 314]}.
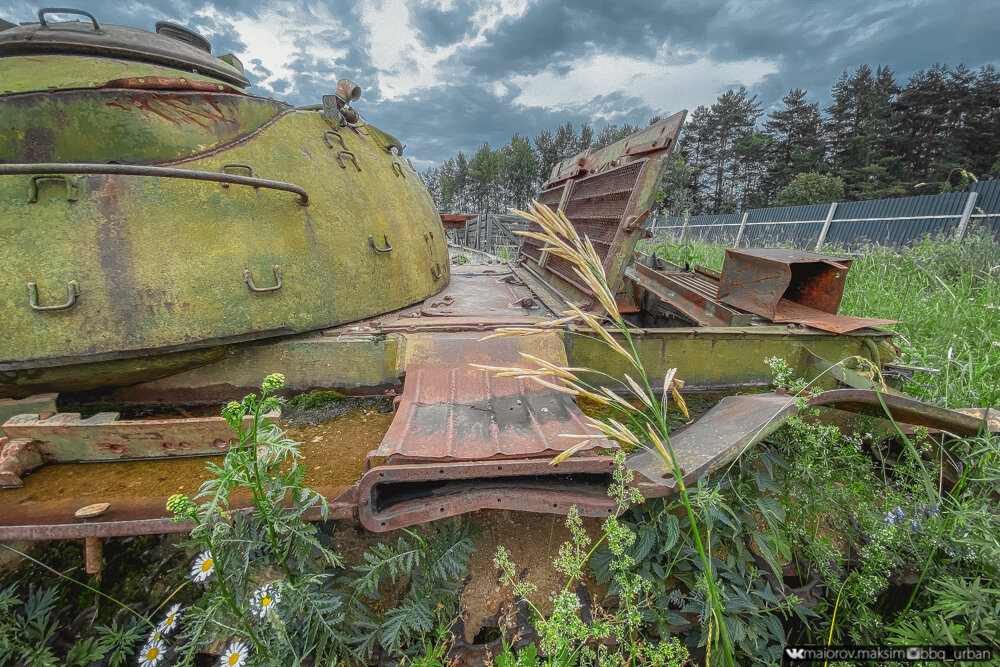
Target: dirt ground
{"type": "Point", "coordinates": [533, 543]}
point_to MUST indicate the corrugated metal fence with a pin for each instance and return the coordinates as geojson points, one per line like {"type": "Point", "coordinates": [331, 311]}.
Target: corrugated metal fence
{"type": "Point", "coordinates": [849, 225]}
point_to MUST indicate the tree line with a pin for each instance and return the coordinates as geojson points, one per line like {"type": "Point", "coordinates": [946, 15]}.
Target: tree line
{"type": "Point", "coordinates": [877, 139]}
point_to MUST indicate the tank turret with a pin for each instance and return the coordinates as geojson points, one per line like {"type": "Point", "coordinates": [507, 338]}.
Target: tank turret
{"type": "Point", "coordinates": [153, 212]}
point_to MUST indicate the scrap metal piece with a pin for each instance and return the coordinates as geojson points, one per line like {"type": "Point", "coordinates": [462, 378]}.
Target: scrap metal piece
{"type": "Point", "coordinates": [738, 422]}
{"type": "Point", "coordinates": [397, 496]}
{"type": "Point", "coordinates": [691, 294]}
{"type": "Point", "coordinates": [40, 404]}
{"type": "Point", "coordinates": [722, 434]}
{"type": "Point", "coordinates": [66, 437]}
{"type": "Point", "coordinates": [789, 286]}
{"type": "Point", "coordinates": [605, 195]}
{"type": "Point", "coordinates": [17, 457]}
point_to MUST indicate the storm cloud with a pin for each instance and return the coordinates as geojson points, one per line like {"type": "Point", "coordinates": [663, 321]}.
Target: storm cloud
{"type": "Point", "coordinates": [446, 75]}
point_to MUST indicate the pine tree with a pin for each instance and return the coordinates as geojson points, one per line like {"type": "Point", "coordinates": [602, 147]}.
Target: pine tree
{"type": "Point", "coordinates": [729, 120]}
{"type": "Point", "coordinates": [795, 142]}
{"type": "Point", "coordinates": [431, 178]}
{"type": "Point", "coordinates": [545, 153]}
{"type": "Point", "coordinates": [518, 168]}
{"type": "Point", "coordinates": [484, 179]}
{"type": "Point", "coordinates": [865, 147]}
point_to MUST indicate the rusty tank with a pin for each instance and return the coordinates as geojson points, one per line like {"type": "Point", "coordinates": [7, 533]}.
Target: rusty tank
{"type": "Point", "coordinates": [168, 238]}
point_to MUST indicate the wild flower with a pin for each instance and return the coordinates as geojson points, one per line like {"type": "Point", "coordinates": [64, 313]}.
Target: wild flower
{"type": "Point", "coordinates": [264, 600]}
{"type": "Point", "coordinates": [182, 507]}
{"type": "Point", "coordinates": [202, 567]}
{"type": "Point", "coordinates": [155, 635]}
{"type": "Point", "coordinates": [168, 624]}
{"type": "Point", "coordinates": [272, 382]}
{"type": "Point", "coordinates": [153, 653]}
{"type": "Point", "coordinates": [236, 654]}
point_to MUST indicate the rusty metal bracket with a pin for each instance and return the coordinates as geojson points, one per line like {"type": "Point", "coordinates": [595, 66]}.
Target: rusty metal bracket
{"type": "Point", "coordinates": [72, 289]}
{"type": "Point", "coordinates": [527, 303]}
{"type": "Point", "coordinates": [387, 248]}
{"type": "Point", "coordinates": [71, 187]}
{"type": "Point", "coordinates": [447, 301]}
{"type": "Point", "coordinates": [350, 155]}
{"type": "Point", "coordinates": [248, 279]}
{"type": "Point", "coordinates": [340, 138]}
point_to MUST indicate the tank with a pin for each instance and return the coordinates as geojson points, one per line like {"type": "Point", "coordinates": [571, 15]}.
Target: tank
{"type": "Point", "coordinates": [168, 238]}
{"type": "Point", "coordinates": [153, 212]}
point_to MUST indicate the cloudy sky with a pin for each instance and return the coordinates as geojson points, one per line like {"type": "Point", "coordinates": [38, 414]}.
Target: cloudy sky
{"type": "Point", "coordinates": [444, 75]}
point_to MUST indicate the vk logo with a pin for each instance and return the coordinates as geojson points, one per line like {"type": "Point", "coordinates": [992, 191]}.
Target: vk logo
{"type": "Point", "coordinates": [795, 653]}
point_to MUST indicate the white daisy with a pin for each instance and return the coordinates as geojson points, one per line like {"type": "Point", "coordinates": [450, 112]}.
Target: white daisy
{"type": "Point", "coordinates": [168, 624]}
{"type": "Point", "coordinates": [235, 655]}
{"type": "Point", "coordinates": [153, 653]}
{"type": "Point", "coordinates": [264, 599]}
{"type": "Point", "coordinates": [202, 567]}
{"type": "Point", "coordinates": [155, 636]}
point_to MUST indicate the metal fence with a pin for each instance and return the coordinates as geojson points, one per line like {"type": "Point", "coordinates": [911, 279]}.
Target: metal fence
{"type": "Point", "coordinates": [848, 225]}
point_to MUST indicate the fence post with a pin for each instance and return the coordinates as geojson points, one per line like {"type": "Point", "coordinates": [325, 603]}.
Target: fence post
{"type": "Point", "coordinates": [743, 225]}
{"type": "Point", "coordinates": [963, 223]}
{"type": "Point", "coordinates": [826, 226]}
{"type": "Point", "coordinates": [489, 233]}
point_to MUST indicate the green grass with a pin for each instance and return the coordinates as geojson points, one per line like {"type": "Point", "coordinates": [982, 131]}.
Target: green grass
{"type": "Point", "coordinates": [945, 297]}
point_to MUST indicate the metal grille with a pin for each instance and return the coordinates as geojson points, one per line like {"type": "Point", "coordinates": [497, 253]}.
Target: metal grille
{"type": "Point", "coordinates": [596, 207]}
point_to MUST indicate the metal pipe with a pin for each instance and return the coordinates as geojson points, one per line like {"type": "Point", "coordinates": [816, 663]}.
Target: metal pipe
{"type": "Point", "coordinates": [826, 226]}
{"type": "Point", "coordinates": [963, 223]}
{"type": "Point", "coordinates": [159, 172]}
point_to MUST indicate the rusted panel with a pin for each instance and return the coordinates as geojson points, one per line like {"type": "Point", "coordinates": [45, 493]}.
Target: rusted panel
{"type": "Point", "coordinates": [715, 440]}
{"type": "Point", "coordinates": [757, 279]}
{"type": "Point", "coordinates": [490, 293]}
{"type": "Point", "coordinates": [38, 404]}
{"type": "Point", "coordinates": [454, 412]}
{"type": "Point", "coordinates": [397, 496]}
{"type": "Point", "coordinates": [66, 437]}
{"type": "Point", "coordinates": [789, 286]}
{"type": "Point", "coordinates": [691, 294]}
{"type": "Point", "coordinates": [789, 311]}
{"type": "Point", "coordinates": [604, 194]}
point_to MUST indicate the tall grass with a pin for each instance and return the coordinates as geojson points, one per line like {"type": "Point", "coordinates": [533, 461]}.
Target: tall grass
{"type": "Point", "coordinates": [945, 297]}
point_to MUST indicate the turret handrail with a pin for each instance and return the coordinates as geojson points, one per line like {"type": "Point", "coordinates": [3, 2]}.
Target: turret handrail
{"type": "Point", "coordinates": [143, 170]}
